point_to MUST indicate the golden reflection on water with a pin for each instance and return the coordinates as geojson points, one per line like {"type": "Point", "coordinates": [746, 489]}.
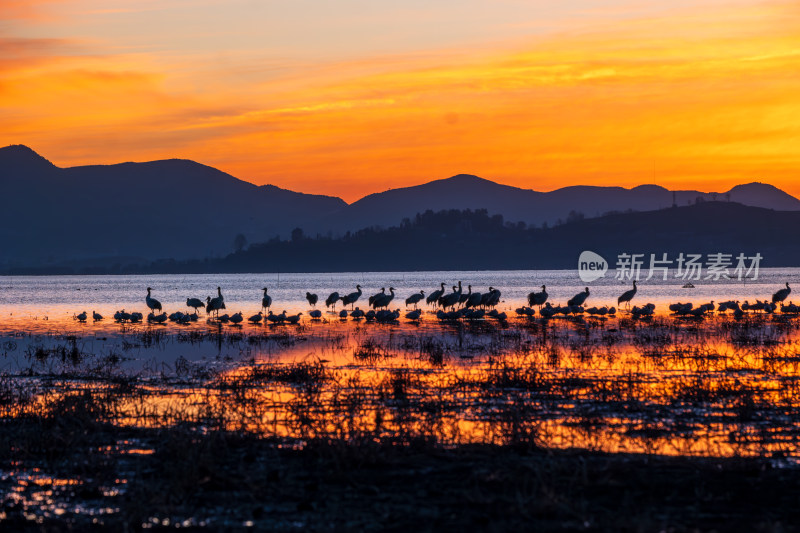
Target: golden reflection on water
{"type": "Point", "coordinates": [717, 387]}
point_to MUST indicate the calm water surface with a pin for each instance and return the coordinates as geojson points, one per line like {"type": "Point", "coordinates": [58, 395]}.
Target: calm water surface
{"type": "Point", "coordinates": [676, 386]}
{"type": "Point", "coordinates": [51, 302]}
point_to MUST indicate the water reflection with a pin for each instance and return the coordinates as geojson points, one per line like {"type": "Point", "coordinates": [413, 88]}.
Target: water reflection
{"type": "Point", "coordinates": [669, 386]}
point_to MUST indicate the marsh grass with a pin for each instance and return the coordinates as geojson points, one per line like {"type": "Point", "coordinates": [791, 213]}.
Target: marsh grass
{"type": "Point", "coordinates": [480, 425]}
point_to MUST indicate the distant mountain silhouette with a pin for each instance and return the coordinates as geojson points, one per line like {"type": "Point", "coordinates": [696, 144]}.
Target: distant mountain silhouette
{"type": "Point", "coordinates": [465, 191]}
{"type": "Point", "coordinates": [172, 208]}
{"type": "Point", "coordinates": [137, 212]}
{"type": "Point", "coordinates": [443, 241]}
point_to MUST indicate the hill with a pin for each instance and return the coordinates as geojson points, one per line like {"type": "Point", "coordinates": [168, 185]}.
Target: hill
{"type": "Point", "coordinates": [171, 208]}
{"type": "Point", "coordinates": [471, 192]}
{"type": "Point", "coordinates": [133, 213]}
{"type": "Point", "coordinates": [475, 240]}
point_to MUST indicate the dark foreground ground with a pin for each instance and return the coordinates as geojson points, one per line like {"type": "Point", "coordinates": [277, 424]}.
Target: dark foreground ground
{"type": "Point", "coordinates": [222, 481]}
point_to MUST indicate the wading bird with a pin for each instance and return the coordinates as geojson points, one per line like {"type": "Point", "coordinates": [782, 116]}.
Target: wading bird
{"type": "Point", "coordinates": [538, 298]}
{"type": "Point", "coordinates": [474, 300]}
{"type": "Point", "coordinates": [384, 300]}
{"type": "Point", "coordinates": [464, 297]}
{"type": "Point", "coordinates": [215, 304]}
{"type": "Point", "coordinates": [450, 300]}
{"type": "Point", "coordinates": [312, 299]}
{"type": "Point", "coordinates": [332, 299]}
{"type": "Point", "coordinates": [266, 301]}
{"type": "Point", "coordinates": [781, 294]}
{"type": "Point", "coordinates": [371, 299]}
{"type": "Point", "coordinates": [152, 303]}
{"type": "Point", "coordinates": [579, 298]}
{"type": "Point", "coordinates": [195, 303]}
{"type": "Point", "coordinates": [626, 296]}
{"type": "Point", "coordinates": [96, 316]}
{"type": "Point", "coordinates": [352, 298]}
{"type": "Point", "coordinates": [415, 298]}
{"type": "Point", "coordinates": [433, 298]}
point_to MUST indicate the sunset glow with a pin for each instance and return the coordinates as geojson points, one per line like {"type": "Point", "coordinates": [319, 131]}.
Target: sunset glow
{"type": "Point", "coordinates": [361, 98]}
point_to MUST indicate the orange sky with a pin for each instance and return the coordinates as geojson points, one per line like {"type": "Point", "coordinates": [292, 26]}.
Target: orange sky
{"type": "Point", "coordinates": [692, 97]}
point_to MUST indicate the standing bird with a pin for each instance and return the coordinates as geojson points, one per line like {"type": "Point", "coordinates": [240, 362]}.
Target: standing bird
{"type": "Point", "coordinates": [782, 294]}
{"type": "Point", "coordinates": [491, 298]}
{"type": "Point", "coordinates": [579, 298]}
{"type": "Point", "coordinates": [474, 300]}
{"type": "Point", "coordinates": [433, 297]}
{"type": "Point", "coordinates": [312, 299]}
{"type": "Point", "coordinates": [352, 298]}
{"type": "Point", "coordinates": [383, 300]}
{"type": "Point", "coordinates": [215, 304]}
{"type": "Point", "coordinates": [196, 303]}
{"type": "Point", "coordinates": [96, 316]}
{"type": "Point", "coordinates": [152, 303]}
{"type": "Point", "coordinates": [266, 301]}
{"type": "Point", "coordinates": [450, 300]}
{"type": "Point", "coordinates": [237, 318]}
{"type": "Point", "coordinates": [82, 317]}
{"type": "Point", "coordinates": [415, 298]}
{"type": "Point", "coordinates": [377, 295]}
{"type": "Point", "coordinates": [255, 319]}
{"type": "Point", "coordinates": [465, 297]}
{"type": "Point", "coordinates": [332, 299]}
{"type": "Point", "coordinates": [538, 298]}
{"type": "Point", "coordinates": [627, 296]}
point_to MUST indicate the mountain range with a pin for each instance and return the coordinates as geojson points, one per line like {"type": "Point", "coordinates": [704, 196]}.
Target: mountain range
{"type": "Point", "coordinates": [182, 209]}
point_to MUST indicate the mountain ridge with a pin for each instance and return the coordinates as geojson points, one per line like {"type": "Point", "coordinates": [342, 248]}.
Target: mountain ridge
{"type": "Point", "coordinates": [182, 208]}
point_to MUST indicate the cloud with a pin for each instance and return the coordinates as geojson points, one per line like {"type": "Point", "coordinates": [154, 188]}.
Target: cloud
{"type": "Point", "coordinates": [695, 97]}
{"type": "Point", "coordinates": [27, 10]}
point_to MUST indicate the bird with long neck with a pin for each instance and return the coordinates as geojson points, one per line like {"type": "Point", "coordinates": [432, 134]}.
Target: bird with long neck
{"type": "Point", "coordinates": [782, 294]}
{"type": "Point", "coordinates": [465, 297]}
{"type": "Point", "coordinates": [474, 300]}
{"type": "Point", "coordinates": [266, 301]}
{"type": "Point", "coordinates": [433, 298]}
{"type": "Point", "coordinates": [152, 303]}
{"type": "Point", "coordinates": [450, 300]}
{"type": "Point", "coordinates": [487, 297]}
{"type": "Point", "coordinates": [215, 304]}
{"type": "Point", "coordinates": [627, 296]}
{"type": "Point", "coordinates": [372, 298]}
{"type": "Point", "coordinates": [415, 298]}
{"type": "Point", "coordinates": [384, 300]}
{"type": "Point", "coordinates": [350, 299]}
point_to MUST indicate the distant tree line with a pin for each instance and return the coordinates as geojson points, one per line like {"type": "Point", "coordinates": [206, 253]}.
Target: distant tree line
{"type": "Point", "coordinates": [475, 240]}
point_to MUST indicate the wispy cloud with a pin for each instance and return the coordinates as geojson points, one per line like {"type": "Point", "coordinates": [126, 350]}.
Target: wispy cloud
{"type": "Point", "coordinates": [699, 96]}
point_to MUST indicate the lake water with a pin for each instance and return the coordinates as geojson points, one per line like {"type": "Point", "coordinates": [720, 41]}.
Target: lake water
{"type": "Point", "coordinates": [51, 302]}
{"type": "Point", "coordinates": [718, 386]}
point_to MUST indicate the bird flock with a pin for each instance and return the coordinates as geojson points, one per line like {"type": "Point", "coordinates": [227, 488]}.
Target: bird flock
{"type": "Point", "coordinates": [450, 305]}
